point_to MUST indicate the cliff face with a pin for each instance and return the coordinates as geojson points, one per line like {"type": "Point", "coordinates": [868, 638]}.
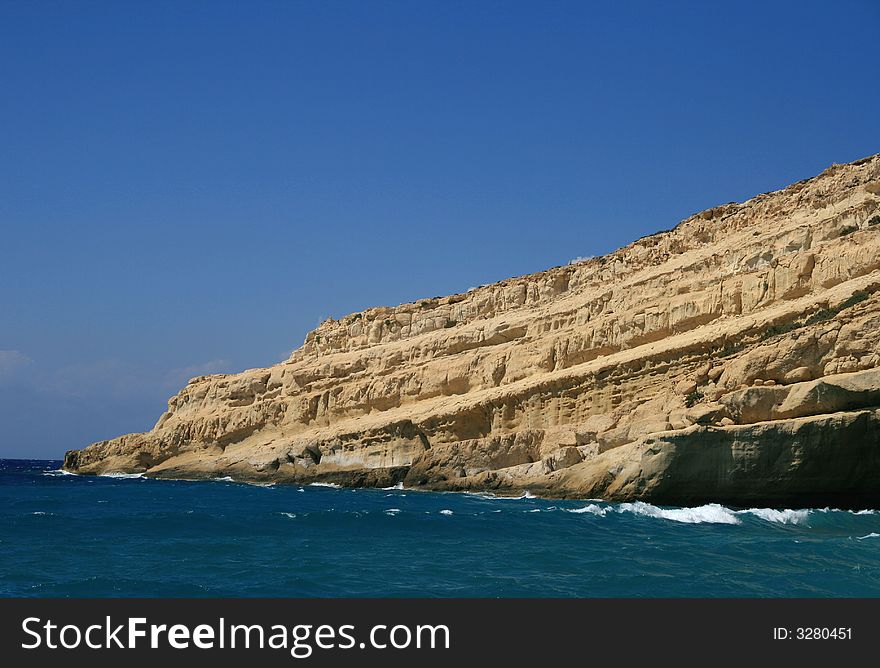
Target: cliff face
{"type": "Point", "coordinates": [735, 358]}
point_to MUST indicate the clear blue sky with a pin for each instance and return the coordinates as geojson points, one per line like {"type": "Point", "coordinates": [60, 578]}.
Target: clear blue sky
{"type": "Point", "coordinates": [189, 187]}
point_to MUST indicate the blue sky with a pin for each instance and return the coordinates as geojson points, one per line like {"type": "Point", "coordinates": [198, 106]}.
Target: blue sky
{"type": "Point", "coordinates": [189, 187]}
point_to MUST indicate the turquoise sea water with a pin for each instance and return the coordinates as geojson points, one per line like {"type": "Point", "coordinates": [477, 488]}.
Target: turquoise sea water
{"type": "Point", "coordinates": [65, 535]}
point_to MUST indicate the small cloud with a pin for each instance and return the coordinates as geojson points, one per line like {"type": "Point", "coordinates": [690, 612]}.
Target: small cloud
{"type": "Point", "coordinates": [179, 377]}
{"type": "Point", "coordinates": [11, 361]}
{"type": "Point", "coordinates": [582, 258]}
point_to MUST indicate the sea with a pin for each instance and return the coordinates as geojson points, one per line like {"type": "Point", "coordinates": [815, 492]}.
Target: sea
{"type": "Point", "coordinates": [65, 535]}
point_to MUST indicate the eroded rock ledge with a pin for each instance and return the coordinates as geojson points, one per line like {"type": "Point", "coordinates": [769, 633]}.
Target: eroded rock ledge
{"type": "Point", "coordinates": [735, 358]}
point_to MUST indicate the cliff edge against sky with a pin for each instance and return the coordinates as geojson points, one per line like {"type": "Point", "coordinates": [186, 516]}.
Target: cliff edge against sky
{"type": "Point", "coordinates": [733, 359]}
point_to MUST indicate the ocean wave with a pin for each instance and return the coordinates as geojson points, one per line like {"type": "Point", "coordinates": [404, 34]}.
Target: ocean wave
{"type": "Point", "coordinates": [225, 478]}
{"type": "Point", "coordinates": [779, 516]}
{"type": "Point", "coordinates": [392, 511]}
{"type": "Point", "coordinates": [711, 513]}
{"type": "Point", "coordinates": [121, 475]}
{"type": "Point", "coordinates": [865, 511]}
{"type": "Point", "coordinates": [58, 472]}
{"type": "Point", "coordinates": [40, 512]}
{"type": "Point", "coordinates": [290, 515]}
{"type": "Point", "coordinates": [332, 485]}
{"type": "Point", "coordinates": [446, 511]}
{"type": "Point", "coordinates": [873, 534]}
{"type": "Point", "coordinates": [481, 495]}
{"type": "Point", "coordinates": [397, 486]}
{"type": "Point", "coordinates": [592, 509]}
{"type": "Point", "coordinates": [498, 497]}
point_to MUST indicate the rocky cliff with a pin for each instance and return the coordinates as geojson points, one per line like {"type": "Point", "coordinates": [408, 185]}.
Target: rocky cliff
{"type": "Point", "coordinates": [735, 358]}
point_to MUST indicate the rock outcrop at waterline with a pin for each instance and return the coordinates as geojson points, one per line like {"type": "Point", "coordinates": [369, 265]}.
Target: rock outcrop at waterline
{"type": "Point", "coordinates": [735, 358]}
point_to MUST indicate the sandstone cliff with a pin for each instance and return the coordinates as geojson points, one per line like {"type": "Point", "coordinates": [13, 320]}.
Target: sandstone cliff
{"type": "Point", "coordinates": [735, 358]}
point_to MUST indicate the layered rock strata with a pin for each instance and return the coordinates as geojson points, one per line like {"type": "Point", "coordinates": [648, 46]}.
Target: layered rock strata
{"type": "Point", "coordinates": [734, 358]}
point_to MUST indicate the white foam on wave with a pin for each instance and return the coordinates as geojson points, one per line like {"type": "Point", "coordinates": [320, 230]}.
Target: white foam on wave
{"type": "Point", "coordinates": [500, 497]}
{"type": "Point", "coordinates": [225, 478]}
{"type": "Point", "coordinates": [121, 475]}
{"type": "Point", "coordinates": [446, 511]}
{"type": "Point", "coordinates": [58, 472]}
{"type": "Point", "coordinates": [870, 535]}
{"type": "Point", "coordinates": [290, 515]}
{"type": "Point", "coordinates": [711, 513]}
{"type": "Point", "coordinates": [592, 509]}
{"type": "Point", "coordinates": [392, 511]}
{"type": "Point", "coordinates": [397, 486]}
{"type": "Point", "coordinates": [40, 512]}
{"type": "Point", "coordinates": [779, 516]}
{"type": "Point", "coordinates": [332, 485]}
{"type": "Point", "coordinates": [482, 495]}
{"type": "Point", "coordinates": [866, 511]}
